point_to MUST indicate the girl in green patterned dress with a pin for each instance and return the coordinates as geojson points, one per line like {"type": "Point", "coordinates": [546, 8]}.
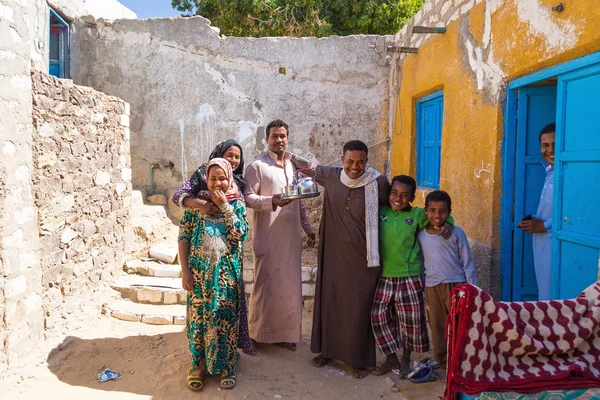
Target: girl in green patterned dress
{"type": "Point", "coordinates": [211, 258]}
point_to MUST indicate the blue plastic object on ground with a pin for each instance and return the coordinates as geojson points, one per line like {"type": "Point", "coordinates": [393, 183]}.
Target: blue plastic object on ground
{"type": "Point", "coordinates": [108, 375]}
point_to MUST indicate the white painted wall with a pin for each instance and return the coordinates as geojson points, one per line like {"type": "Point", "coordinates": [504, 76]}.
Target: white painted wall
{"type": "Point", "coordinates": [107, 9]}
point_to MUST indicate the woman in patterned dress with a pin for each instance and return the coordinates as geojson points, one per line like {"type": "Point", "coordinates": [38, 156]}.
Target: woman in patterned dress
{"type": "Point", "coordinates": [187, 196]}
{"type": "Point", "coordinates": [210, 250]}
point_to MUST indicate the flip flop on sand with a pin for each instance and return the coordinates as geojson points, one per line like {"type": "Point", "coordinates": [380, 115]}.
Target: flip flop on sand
{"type": "Point", "coordinates": [195, 382]}
{"type": "Point", "coordinates": [428, 362]}
{"type": "Point", "coordinates": [426, 374]}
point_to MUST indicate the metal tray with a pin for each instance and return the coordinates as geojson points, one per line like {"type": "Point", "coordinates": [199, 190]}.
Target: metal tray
{"type": "Point", "coordinates": [300, 196]}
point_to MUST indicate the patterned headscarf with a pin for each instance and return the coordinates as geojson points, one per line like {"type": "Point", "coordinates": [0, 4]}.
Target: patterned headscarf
{"type": "Point", "coordinates": [198, 179]}
{"type": "Point", "coordinates": [232, 192]}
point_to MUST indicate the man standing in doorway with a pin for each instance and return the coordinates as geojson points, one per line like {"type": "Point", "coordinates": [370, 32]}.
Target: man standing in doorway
{"type": "Point", "coordinates": [540, 225]}
{"type": "Point", "coordinates": [275, 312]}
{"type": "Point", "coordinates": [348, 269]}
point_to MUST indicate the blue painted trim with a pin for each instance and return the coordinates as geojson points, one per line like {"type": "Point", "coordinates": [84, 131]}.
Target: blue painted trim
{"type": "Point", "coordinates": [431, 96]}
{"type": "Point", "coordinates": [584, 156]}
{"type": "Point", "coordinates": [508, 184]}
{"type": "Point", "coordinates": [58, 17]}
{"type": "Point", "coordinates": [556, 70]}
{"type": "Point", "coordinates": [578, 238]}
{"type": "Point", "coordinates": [65, 62]}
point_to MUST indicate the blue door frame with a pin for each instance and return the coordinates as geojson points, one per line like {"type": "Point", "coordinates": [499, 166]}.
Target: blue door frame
{"type": "Point", "coordinates": [58, 43]}
{"type": "Point", "coordinates": [508, 168]}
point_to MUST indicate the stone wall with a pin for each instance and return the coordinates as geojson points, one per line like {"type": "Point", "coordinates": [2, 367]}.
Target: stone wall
{"type": "Point", "coordinates": [82, 187]}
{"type": "Point", "coordinates": [189, 88]}
{"type": "Point", "coordinates": [21, 322]}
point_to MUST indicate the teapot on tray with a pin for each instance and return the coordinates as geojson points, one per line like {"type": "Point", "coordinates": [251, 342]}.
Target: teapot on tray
{"type": "Point", "coordinates": [306, 187]}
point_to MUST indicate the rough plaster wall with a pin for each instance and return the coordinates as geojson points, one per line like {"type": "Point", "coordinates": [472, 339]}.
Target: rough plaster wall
{"type": "Point", "coordinates": [82, 188]}
{"type": "Point", "coordinates": [189, 89]}
{"type": "Point", "coordinates": [21, 323]}
{"type": "Point", "coordinates": [498, 40]}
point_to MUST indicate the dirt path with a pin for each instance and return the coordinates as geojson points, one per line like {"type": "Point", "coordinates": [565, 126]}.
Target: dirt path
{"type": "Point", "coordinates": [154, 361]}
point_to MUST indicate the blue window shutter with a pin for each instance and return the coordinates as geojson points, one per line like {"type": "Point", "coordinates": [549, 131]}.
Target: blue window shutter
{"type": "Point", "coordinates": [429, 139]}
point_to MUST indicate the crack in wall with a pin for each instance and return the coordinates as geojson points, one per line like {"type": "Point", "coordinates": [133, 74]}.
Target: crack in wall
{"type": "Point", "coordinates": [487, 72]}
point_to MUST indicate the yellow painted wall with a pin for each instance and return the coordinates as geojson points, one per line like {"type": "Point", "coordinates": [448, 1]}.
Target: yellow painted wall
{"type": "Point", "coordinates": [511, 42]}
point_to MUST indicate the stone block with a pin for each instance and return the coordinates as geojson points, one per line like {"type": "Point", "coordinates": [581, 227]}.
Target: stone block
{"type": "Point", "coordinates": [102, 178]}
{"type": "Point", "coordinates": [170, 298]}
{"type": "Point", "coordinates": [179, 320]}
{"type": "Point", "coordinates": [308, 290]}
{"type": "Point", "coordinates": [15, 287]}
{"type": "Point", "coordinates": [126, 174]}
{"type": "Point", "coordinates": [125, 316]}
{"type": "Point", "coordinates": [138, 197]}
{"type": "Point", "coordinates": [165, 252]}
{"type": "Point", "coordinates": [248, 288]}
{"type": "Point", "coordinates": [248, 275]}
{"type": "Point", "coordinates": [309, 304]}
{"type": "Point", "coordinates": [308, 274]}
{"type": "Point", "coordinates": [120, 188]}
{"type": "Point", "coordinates": [157, 319]}
{"type": "Point", "coordinates": [182, 294]}
{"type": "Point", "coordinates": [99, 118]}
{"type": "Point", "coordinates": [159, 199]}
{"type": "Point", "coordinates": [124, 120]}
{"type": "Point", "coordinates": [149, 295]}
{"type": "Point", "coordinates": [68, 235]}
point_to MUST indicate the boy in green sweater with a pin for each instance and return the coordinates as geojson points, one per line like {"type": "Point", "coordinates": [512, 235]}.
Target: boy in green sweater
{"type": "Point", "coordinates": [400, 283]}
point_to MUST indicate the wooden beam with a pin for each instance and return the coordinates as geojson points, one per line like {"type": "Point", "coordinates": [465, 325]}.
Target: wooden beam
{"type": "Point", "coordinates": [401, 49]}
{"type": "Point", "coordinates": [428, 29]}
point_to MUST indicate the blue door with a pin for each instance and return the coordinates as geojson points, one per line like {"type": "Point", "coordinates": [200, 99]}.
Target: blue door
{"type": "Point", "coordinates": [576, 208]}
{"type": "Point", "coordinates": [536, 108]}
{"type": "Point", "coordinates": [430, 115]}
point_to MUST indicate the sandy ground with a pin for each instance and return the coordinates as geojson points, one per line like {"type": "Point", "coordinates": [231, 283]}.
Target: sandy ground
{"type": "Point", "coordinates": [154, 361]}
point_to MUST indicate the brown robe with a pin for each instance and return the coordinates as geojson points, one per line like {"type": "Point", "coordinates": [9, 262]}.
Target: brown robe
{"type": "Point", "coordinates": [345, 285]}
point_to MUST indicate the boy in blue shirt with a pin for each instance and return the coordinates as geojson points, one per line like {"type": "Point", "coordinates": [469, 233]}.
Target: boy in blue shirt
{"type": "Point", "coordinates": [447, 263]}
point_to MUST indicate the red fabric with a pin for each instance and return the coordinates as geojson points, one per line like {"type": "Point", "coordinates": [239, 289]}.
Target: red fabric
{"type": "Point", "coordinates": [522, 347]}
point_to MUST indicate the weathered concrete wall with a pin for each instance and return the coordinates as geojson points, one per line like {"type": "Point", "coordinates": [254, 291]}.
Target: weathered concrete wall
{"type": "Point", "coordinates": [487, 43]}
{"type": "Point", "coordinates": [82, 187]}
{"type": "Point", "coordinates": [189, 88]}
{"type": "Point", "coordinates": [21, 322]}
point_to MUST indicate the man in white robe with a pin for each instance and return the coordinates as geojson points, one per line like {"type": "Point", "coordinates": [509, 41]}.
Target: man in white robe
{"type": "Point", "coordinates": [275, 312]}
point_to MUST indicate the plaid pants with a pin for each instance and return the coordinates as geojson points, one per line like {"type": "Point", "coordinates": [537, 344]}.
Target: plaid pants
{"type": "Point", "coordinates": [406, 326]}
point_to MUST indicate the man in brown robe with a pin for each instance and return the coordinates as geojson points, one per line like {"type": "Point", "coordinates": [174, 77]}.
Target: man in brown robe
{"type": "Point", "coordinates": [275, 312]}
{"type": "Point", "coordinates": [348, 269]}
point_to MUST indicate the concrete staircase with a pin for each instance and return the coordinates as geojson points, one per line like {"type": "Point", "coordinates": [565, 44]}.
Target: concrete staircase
{"type": "Point", "coordinates": [150, 287]}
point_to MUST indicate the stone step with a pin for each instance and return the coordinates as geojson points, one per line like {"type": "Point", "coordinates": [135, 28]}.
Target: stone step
{"type": "Point", "coordinates": [150, 289]}
{"type": "Point", "coordinates": [126, 310]}
{"type": "Point", "coordinates": [152, 268]}
{"type": "Point", "coordinates": [138, 197]}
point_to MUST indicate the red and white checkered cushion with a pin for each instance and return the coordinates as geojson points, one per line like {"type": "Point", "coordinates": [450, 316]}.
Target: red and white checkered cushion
{"type": "Point", "coordinates": [522, 346]}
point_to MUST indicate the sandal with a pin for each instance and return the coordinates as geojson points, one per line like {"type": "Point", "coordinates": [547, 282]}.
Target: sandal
{"type": "Point", "coordinates": [426, 374]}
{"type": "Point", "coordinates": [228, 382]}
{"type": "Point", "coordinates": [401, 375]}
{"type": "Point", "coordinates": [195, 382]}
{"type": "Point", "coordinates": [429, 362]}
